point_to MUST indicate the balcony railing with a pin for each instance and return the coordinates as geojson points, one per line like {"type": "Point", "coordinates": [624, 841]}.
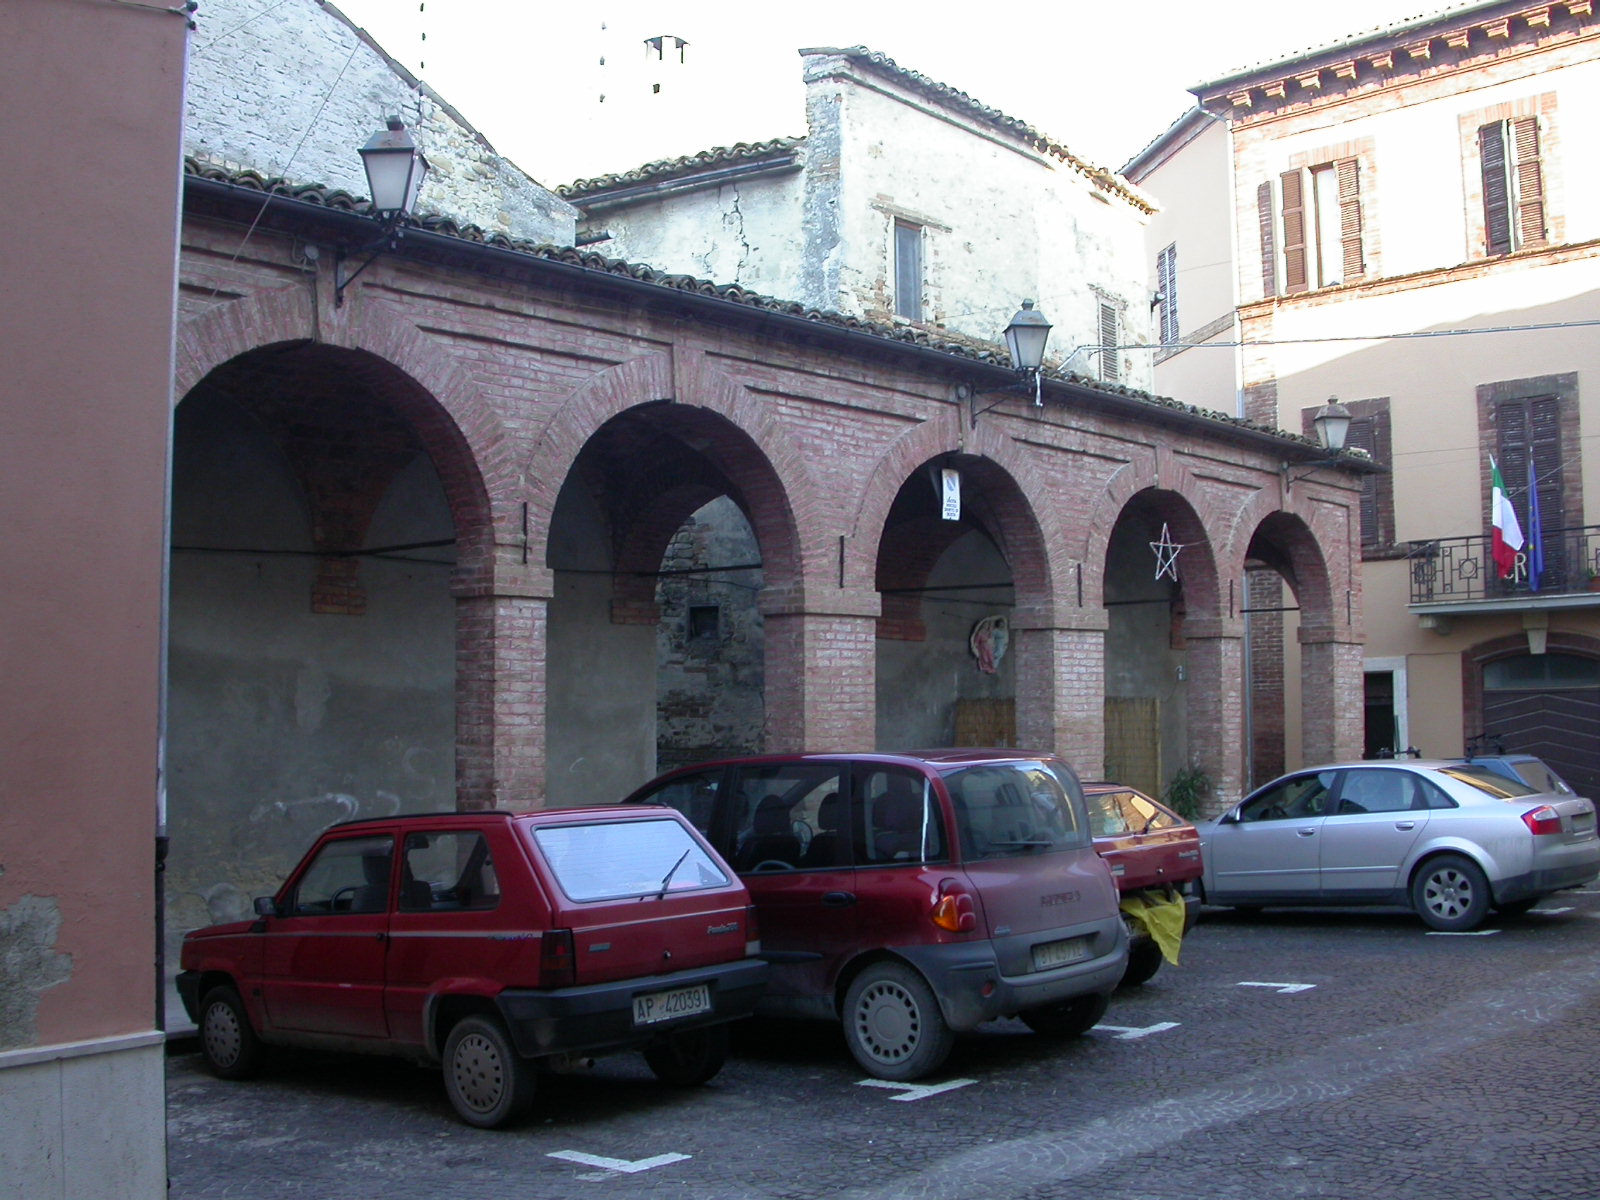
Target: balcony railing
{"type": "Point", "coordinates": [1461, 569]}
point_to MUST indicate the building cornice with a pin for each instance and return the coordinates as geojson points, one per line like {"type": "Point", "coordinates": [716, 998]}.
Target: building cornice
{"type": "Point", "coordinates": [1444, 43]}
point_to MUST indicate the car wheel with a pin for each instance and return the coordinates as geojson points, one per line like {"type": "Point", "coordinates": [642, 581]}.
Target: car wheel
{"type": "Point", "coordinates": [1450, 893]}
{"type": "Point", "coordinates": [893, 1025]}
{"type": "Point", "coordinates": [488, 1082]}
{"type": "Point", "coordinates": [1069, 1019]}
{"type": "Point", "coordinates": [1144, 960]}
{"type": "Point", "coordinates": [228, 1044]}
{"type": "Point", "coordinates": [689, 1058]}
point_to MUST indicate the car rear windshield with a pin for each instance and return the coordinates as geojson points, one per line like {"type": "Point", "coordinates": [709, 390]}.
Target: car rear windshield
{"type": "Point", "coordinates": [1501, 787]}
{"type": "Point", "coordinates": [1006, 809]}
{"type": "Point", "coordinates": [610, 860]}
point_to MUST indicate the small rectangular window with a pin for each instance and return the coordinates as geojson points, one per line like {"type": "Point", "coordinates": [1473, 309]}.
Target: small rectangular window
{"type": "Point", "coordinates": [908, 270]}
{"type": "Point", "coordinates": [1321, 211]}
{"type": "Point", "coordinates": [705, 622]}
{"type": "Point", "coordinates": [1513, 185]}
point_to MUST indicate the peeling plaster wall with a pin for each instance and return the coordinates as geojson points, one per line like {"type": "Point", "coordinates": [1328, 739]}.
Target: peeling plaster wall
{"type": "Point", "coordinates": [29, 964]}
{"type": "Point", "coordinates": [919, 683]}
{"type": "Point", "coordinates": [291, 89]}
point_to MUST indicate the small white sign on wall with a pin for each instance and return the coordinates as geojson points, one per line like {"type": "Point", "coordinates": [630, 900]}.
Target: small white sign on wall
{"type": "Point", "coordinates": [950, 478]}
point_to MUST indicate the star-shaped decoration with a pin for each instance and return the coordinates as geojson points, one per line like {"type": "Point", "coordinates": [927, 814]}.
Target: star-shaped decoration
{"type": "Point", "coordinates": [1166, 555]}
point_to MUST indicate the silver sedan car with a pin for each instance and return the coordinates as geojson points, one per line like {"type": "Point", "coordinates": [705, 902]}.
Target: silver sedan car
{"type": "Point", "coordinates": [1445, 838]}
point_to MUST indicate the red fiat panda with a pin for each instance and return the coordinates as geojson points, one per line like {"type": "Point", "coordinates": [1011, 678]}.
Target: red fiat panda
{"type": "Point", "coordinates": [488, 942]}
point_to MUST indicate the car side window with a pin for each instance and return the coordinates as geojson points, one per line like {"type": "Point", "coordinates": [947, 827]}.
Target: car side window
{"type": "Point", "coordinates": [901, 817]}
{"type": "Point", "coordinates": [1107, 817]}
{"type": "Point", "coordinates": [1142, 815]}
{"type": "Point", "coordinates": [1433, 796]}
{"type": "Point", "coordinates": [448, 870]}
{"type": "Point", "coordinates": [778, 813]}
{"type": "Point", "coordinates": [1299, 796]}
{"type": "Point", "coordinates": [694, 795]}
{"type": "Point", "coordinates": [348, 875]}
{"type": "Point", "coordinates": [1376, 790]}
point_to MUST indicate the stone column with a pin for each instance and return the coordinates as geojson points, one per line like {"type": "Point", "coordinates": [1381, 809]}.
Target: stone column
{"type": "Point", "coordinates": [821, 671]}
{"type": "Point", "coordinates": [500, 696]}
{"type": "Point", "coordinates": [1332, 703]}
{"type": "Point", "coordinates": [1061, 686]}
{"type": "Point", "coordinates": [1216, 707]}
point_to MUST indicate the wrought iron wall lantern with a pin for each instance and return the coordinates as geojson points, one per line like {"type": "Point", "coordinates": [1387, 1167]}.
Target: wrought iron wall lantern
{"type": "Point", "coordinates": [395, 170]}
{"type": "Point", "coordinates": [1331, 425]}
{"type": "Point", "coordinates": [1025, 341]}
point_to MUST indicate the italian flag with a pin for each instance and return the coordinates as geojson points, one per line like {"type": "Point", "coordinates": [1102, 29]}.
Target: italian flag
{"type": "Point", "coordinates": [1507, 532]}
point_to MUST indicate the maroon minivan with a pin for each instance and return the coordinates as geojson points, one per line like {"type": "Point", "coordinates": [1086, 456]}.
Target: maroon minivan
{"type": "Point", "coordinates": [915, 895]}
{"type": "Point", "coordinates": [488, 942]}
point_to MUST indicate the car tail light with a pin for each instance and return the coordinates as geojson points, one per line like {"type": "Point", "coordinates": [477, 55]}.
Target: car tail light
{"type": "Point", "coordinates": [752, 931]}
{"type": "Point", "coordinates": [954, 910]}
{"type": "Point", "coordinates": [558, 964]}
{"type": "Point", "coordinates": [1543, 819]}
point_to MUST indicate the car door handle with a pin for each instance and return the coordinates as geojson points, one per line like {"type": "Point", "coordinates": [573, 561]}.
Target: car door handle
{"type": "Point", "coordinates": [1405, 824]}
{"type": "Point", "coordinates": [1306, 832]}
{"type": "Point", "coordinates": [838, 899]}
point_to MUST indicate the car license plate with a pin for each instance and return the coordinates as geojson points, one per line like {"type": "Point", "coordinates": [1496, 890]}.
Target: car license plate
{"type": "Point", "coordinates": [665, 1006]}
{"type": "Point", "coordinates": [1059, 954]}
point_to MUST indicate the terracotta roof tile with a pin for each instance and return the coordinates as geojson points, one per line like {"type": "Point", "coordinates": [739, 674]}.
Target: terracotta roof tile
{"type": "Point", "coordinates": [669, 168]}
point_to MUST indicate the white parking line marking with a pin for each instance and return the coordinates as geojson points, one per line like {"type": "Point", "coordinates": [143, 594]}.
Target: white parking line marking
{"type": "Point", "coordinates": [1124, 1033]}
{"type": "Point", "coordinates": [1283, 989]}
{"type": "Point", "coordinates": [915, 1091]}
{"type": "Point", "coordinates": [1550, 912]}
{"type": "Point", "coordinates": [1463, 933]}
{"type": "Point", "coordinates": [621, 1165]}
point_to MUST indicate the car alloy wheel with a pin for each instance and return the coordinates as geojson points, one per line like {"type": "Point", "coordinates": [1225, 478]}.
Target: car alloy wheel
{"type": "Point", "coordinates": [1450, 893]}
{"type": "Point", "coordinates": [893, 1023]}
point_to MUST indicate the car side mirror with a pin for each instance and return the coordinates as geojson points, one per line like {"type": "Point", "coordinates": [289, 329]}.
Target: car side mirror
{"type": "Point", "coordinates": [266, 906]}
{"type": "Point", "coordinates": [1231, 817]}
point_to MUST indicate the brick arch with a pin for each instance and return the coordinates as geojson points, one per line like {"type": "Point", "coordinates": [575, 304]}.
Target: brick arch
{"type": "Point", "coordinates": [460, 432]}
{"type": "Point", "coordinates": [1169, 484]}
{"type": "Point", "coordinates": [1019, 499]}
{"type": "Point", "coordinates": [742, 440]}
{"type": "Point", "coordinates": [1298, 541]}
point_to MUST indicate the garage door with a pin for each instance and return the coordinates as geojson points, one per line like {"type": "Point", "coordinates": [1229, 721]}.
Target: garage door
{"type": "Point", "coordinates": [1548, 705]}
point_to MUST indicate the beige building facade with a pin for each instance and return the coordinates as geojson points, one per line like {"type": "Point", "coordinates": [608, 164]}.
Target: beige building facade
{"type": "Point", "coordinates": [1412, 228]}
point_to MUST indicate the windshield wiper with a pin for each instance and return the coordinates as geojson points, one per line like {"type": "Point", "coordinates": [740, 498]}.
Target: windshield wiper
{"type": "Point", "coordinates": [668, 877]}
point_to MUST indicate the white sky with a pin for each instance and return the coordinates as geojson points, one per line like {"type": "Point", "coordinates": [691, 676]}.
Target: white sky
{"type": "Point", "coordinates": [1103, 78]}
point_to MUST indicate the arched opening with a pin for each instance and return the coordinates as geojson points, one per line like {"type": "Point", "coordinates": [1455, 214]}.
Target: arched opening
{"type": "Point", "coordinates": [1158, 571]}
{"type": "Point", "coordinates": [659, 542]}
{"type": "Point", "coordinates": [955, 562]}
{"type": "Point", "coordinates": [318, 499]}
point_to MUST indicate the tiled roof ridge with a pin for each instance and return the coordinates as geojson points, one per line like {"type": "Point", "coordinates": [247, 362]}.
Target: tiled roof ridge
{"type": "Point", "coordinates": [666, 168]}
{"type": "Point", "coordinates": [945, 342]}
{"type": "Point", "coordinates": [1102, 177]}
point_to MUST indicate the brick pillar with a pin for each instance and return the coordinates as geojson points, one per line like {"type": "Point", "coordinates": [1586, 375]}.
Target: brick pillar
{"type": "Point", "coordinates": [1332, 713]}
{"type": "Point", "coordinates": [1061, 688]}
{"type": "Point", "coordinates": [1216, 708]}
{"type": "Point", "coordinates": [500, 701]}
{"type": "Point", "coordinates": [821, 673]}
{"type": "Point", "coordinates": [1265, 592]}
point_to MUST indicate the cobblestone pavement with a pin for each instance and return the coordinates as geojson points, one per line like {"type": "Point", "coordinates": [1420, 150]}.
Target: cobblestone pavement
{"type": "Point", "coordinates": [1415, 1066]}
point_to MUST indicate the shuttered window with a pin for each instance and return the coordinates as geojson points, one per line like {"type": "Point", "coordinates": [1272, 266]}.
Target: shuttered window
{"type": "Point", "coordinates": [1513, 185]}
{"type": "Point", "coordinates": [1167, 286]}
{"type": "Point", "coordinates": [1363, 435]}
{"type": "Point", "coordinates": [1110, 356]}
{"type": "Point", "coordinates": [1269, 246]}
{"type": "Point", "coordinates": [1529, 433]}
{"type": "Point", "coordinates": [1321, 212]}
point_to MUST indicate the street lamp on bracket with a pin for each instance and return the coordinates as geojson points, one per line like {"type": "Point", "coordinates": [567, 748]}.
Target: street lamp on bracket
{"type": "Point", "coordinates": [395, 169]}
{"type": "Point", "coordinates": [1025, 336]}
{"type": "Point", "coordinates": [1331, 424]}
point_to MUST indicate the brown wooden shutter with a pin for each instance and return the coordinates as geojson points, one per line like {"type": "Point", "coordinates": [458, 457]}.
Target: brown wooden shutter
{"type": "Point", "coordinates": [1110, 356]}
{"type": "Point", "coordinates": [1529, 435]}
{"type": "Point", "coordinates": [1496, 201]}
{"type": "Point", "coordinates": [1349, 170]}
{"type": "Point", "coordinates": [1530, 182]}
{"type": "Point", "coordinates": [1167, 285]}
{"type": "Point", "coordinates": [1363, 435]}
{"type": "Point", "coordinates": [1269, 246]}
{"type": "Point", "coordinates": [1294, 232]}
